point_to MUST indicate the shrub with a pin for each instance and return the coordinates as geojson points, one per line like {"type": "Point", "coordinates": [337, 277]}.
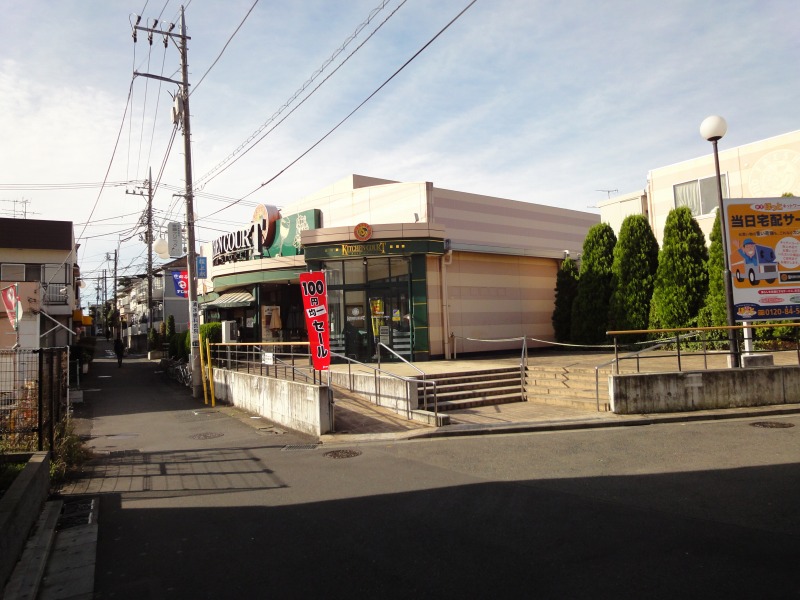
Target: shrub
{"type": "Point", "coordinates": [566, 290]}
{"type": "Point", "coordinates": [153, 339]}
{"type": "Point", "coordinates": [682, 275]}
{"type": "Point", "coordinates": [634, 273]}
{"type": "Point", "coordinates": [210, 333]}
{"type": "Point", "coordinates": [590, 309]}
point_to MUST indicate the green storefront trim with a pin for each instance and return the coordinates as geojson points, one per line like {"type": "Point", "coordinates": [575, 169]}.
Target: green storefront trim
{"type": "Point", "coordinates": [419, 302]}
{"type": "Point", "coordinates": [256, 277]}
{"type": "Point", "coordinates": [374, 248]}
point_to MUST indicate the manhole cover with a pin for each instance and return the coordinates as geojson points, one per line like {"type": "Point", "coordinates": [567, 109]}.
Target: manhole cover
{"type": "Point", "coordinates": [206, 435]}
{"type": "Point", "coordinates": [343, 453]}
{"type": "Point", "coordinates": [772, 424]}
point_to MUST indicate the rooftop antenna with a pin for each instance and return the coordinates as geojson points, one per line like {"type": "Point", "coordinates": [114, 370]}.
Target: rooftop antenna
{"type": "Point", "coordinates": [15, 212]}
{"type": "Point", "coordinates": [608, 192]}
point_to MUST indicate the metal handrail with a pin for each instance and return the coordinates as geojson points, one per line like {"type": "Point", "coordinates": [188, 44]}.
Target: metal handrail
{"type": "Point", "coordinates": [413, 366]}
{"type": "Point", "coordinates": [615, 361]}
{"type": "Point", "coordinates": [690, 332]}
{"type": "Point", "coordinates": [523, 361]}
{"type": "Point", "coordinates": [407, 380]}
{"type": "Point", "coordinates": [250, 350]}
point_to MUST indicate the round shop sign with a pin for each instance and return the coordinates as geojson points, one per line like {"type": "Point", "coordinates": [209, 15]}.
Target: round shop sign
{"type": "Point", "coordinates": [363, 232]}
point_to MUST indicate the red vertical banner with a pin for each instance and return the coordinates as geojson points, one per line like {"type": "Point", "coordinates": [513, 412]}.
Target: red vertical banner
{"type": "Point", "coordinates": [10, 297]}
{"type": "Point", "coordinates": [315, 305]}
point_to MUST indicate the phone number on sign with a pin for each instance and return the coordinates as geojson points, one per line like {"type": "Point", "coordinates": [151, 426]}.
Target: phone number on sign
{"type": "Point", "coordinates": [778, 311]}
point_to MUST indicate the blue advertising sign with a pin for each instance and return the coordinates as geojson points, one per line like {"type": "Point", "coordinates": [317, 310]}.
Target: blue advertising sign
{"type": "Point", "coordinates": [181, 281]}
{"type": "Point", "coordinates": [202, 267]}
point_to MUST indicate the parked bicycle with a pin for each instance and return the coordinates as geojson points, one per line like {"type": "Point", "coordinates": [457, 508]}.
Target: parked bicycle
{"type": "Point", "coordinates": [177, 369]}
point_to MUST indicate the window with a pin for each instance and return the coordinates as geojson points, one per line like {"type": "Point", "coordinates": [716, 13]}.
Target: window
{"type": "Point", "coordinates": [700, 195]}
{"type": "Point", "coordinates": [12, 272]}
{"type": "Point", "coordinates": [33, 272]}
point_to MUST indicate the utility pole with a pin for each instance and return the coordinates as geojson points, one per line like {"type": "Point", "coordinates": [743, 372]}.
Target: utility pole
{"type": "Point", "coordinates": [149, 240]}
{"type": "Point", "coordinates": [181, 113]}
{"type": "Point", "coordinates": [191, 258]}
{"type": "Point", "coordinates": [119, 319]}
{"type": "Point", "coordinates": [150, 250]}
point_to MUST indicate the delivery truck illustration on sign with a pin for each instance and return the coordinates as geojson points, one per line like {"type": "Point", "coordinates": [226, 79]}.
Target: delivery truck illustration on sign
{"type": "Point", "coordinates": [759, 263]}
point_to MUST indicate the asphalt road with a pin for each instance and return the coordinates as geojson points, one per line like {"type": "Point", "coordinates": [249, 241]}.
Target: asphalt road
{"type": "Point", "coordinates": [209, 503]}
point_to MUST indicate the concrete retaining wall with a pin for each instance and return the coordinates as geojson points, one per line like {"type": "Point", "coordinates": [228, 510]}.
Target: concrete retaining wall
{"type": "Point", "coordinates": [299, 406]}
{"type": "Point", "coordinates": [701, 390]}
{"type": "Point", "coordinates": [20, 507]}
{"type": "Point", "coordinates": [395, 394]}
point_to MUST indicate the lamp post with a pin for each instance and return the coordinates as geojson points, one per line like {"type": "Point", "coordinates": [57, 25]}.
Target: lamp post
{"type": "Point", "coordinates": [712, 129]}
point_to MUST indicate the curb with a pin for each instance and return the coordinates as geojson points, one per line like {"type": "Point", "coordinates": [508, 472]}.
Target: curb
{"type": "Point", "coordinates": [572, 425]}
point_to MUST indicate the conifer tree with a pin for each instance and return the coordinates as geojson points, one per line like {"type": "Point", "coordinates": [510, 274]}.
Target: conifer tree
{"type": "Point", "coordinates": [715, 308]}
{"type": "Point", "coordinates": [566, 290]}
{"type": "Point", "coordinates": [590, 309]}
{"type": "Point", "coordinates": [634, 273]}
{"type": "Point", "coordinates": [682, 275]}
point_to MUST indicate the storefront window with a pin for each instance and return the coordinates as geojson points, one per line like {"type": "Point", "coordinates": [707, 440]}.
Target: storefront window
{"type": "Point", "coordinates": [399, 267]}
{"type": "Point", "coordinates": [333, 273]}
{"type": "Point", "coordinates": [367, 311]}
{"type": "Point", "coordinates": [378, 270]}
{"type": "Point", "coordinates": [353, 272]}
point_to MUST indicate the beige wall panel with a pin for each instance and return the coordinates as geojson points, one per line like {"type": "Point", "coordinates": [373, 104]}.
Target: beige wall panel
{"type": "Point", "coordinates": [483, 220]}
{"type": "Point", "coordinates": [388, 203]}
{"type": "Point", "coordinates": [495, 296]}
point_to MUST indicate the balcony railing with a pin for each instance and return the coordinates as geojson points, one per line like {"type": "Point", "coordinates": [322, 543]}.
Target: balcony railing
{"type": "Point", "coordinates": [55, 294]}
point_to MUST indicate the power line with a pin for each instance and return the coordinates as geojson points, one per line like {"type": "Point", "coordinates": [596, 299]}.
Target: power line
{"type": "Point", "coordinates": [218, 170]}
{"type": "Point", "coordinates": [340, 123]}
{"type": "Point", "coordinates": [196, 85]}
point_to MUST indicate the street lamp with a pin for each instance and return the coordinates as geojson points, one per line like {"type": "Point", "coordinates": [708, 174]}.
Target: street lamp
{"type": "Point", "coordinates": [712, 129]}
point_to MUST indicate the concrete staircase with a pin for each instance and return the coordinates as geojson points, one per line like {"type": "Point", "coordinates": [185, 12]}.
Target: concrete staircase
{"type": "Point", "coordinates": [571, 387]}
{"type": "Point", "coordinates": [474, 388]}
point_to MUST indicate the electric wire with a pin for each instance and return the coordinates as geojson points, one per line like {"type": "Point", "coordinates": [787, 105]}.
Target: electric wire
{"type": "Point", "coordinates": [196, 85]}
{"type": "Point", "coordinates": [340, 123]}
{"type": "Point", "coordinates": [208, 176]}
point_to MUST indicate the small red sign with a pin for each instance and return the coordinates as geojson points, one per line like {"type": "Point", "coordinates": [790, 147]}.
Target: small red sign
{"type": "Point", "coordinates": [315, 304]}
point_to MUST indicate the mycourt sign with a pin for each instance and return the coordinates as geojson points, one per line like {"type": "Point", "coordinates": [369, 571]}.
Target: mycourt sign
{"type": "Point", "coordinates": [269, 235]}
{"type": "Point", "coordinates": [248, 243]}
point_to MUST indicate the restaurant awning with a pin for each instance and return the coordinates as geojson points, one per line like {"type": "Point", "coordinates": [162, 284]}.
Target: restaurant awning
{"type": "Point", "coordinates": [238, 298]}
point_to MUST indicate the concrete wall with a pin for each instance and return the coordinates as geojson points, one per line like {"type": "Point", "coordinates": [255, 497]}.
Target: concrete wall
{"type": "Point", "coordinates": [299, 406]}
{"type": "Point", "coordinates": [394, 394]}
{"type": "Point", "coordinates": [701, 390]}
{"type": "Point", "coordinates": [19, 509]}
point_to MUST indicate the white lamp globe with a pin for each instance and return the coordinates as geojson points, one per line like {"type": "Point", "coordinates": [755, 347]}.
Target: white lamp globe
{"type": "Point", "coordinates": [160, 246]}
{"type": "Point", "coordinates": [713, 128]}
{"type": "Point", "coordinates": [163, 255]}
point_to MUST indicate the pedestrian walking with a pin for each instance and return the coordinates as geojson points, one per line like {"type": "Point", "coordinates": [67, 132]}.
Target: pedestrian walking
{"type": "Point", "coordinates": [119, 350]}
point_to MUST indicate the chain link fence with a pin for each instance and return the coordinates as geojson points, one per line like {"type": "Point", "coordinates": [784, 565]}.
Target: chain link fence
{"type": "Point", "coordinates": [33, 397]}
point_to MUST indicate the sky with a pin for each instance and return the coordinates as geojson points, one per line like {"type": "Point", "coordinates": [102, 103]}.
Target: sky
{"type": "Point", "coordinates": [555, 103]}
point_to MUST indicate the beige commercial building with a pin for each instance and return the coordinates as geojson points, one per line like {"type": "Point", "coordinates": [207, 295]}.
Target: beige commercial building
{"type": "Point", "coordinates": [414, 266]}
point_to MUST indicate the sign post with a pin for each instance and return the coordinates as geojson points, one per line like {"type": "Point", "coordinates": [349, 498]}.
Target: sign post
{"type": "Point", "coordinates": [315, 304]}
